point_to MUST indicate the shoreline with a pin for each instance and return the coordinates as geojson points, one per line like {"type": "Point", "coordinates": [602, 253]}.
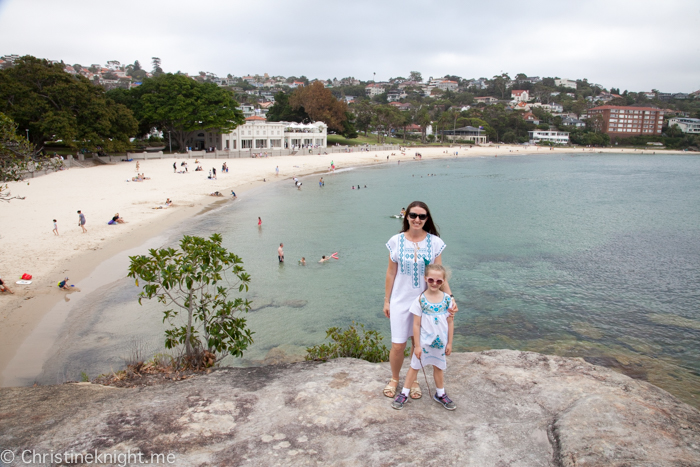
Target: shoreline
{"type": "Point", "coordinates": [31, 304]}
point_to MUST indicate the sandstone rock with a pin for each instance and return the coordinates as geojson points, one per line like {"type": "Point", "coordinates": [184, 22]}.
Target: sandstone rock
{"type": "Point", "coordinates": [513, 409]}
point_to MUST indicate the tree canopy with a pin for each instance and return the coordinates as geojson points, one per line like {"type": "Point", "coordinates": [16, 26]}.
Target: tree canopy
{"type": "Point", "coordinates": [54, 105]}
{"type": "Point", "coordinates": [281, 111]}
{"type": "Point", "coordinates": [320, 104]}
{"type": "Point", "coordinates": [180, 105]}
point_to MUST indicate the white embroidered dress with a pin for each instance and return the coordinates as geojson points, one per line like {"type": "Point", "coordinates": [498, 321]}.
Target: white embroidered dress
{"type": "Point", "coordinates": [409, 283]}
{"type": "Point", "coordinates": [433, 331]}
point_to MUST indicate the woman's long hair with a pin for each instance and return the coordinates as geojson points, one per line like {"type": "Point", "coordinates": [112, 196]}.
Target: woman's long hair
{"type": "Point", "coordinates": [429, 225]}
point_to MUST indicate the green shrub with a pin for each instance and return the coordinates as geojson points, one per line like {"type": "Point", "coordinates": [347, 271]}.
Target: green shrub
{"type": "Point", "coordinates": [354, 342]}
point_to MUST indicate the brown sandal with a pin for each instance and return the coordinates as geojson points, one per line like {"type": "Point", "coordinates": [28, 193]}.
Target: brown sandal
{"type": "Point", "coordinates": [389, 390]}
{"type": "Point", "coordinates": [415, 392]}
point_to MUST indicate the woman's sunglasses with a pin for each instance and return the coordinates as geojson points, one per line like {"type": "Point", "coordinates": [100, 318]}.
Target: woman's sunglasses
{"type": "Point", "coordinates": [413, 215]}
{"type": "Point", "coordinates": [434, 281]}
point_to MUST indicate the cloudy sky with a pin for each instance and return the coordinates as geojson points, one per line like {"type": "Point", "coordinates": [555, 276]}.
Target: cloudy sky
{"type": "Point", "coordinates": [631, 44]}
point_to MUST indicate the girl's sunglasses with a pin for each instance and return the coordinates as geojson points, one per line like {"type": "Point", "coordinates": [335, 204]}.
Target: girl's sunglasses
{"type": "Point", "coordinates": [434, 281]}
{"type": "Point", "coordinates": [413, 215]}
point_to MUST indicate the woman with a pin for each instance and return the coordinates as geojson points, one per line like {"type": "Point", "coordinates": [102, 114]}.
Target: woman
{"type": "Point", "coordinates": [417, 245]}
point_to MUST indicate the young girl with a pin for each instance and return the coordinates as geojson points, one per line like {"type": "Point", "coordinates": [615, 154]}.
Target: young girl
{"type": "Point", "coordinates": [433, 323]}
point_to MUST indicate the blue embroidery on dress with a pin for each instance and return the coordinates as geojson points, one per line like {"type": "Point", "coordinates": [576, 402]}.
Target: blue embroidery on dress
{"type": "Point", "coordinates": [437, 343]}
{"type": "Point", "coordinates": [434, 309]}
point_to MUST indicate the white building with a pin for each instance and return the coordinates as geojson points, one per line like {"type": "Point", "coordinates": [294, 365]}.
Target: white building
{"type": "Point", "coordinates": [372, 90]}
{"type": "Point", "coordinates": [567, 83]}
{"type": "Point", "coordinates": [687, 125]}
{"type": "Point", "coordinates": [520, 95]}
{"type": "Point", "coordinates": [557, 137]}
{"type": "Point", "coordinates": [393, 96]}
{"type": "Point", "coordinates": [258, 134]}
{"type": "Point", "coordinates": [446, 85]}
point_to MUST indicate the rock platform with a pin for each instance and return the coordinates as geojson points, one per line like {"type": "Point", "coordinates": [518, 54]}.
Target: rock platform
{"type": "Point", "coordinates": [513, 409]}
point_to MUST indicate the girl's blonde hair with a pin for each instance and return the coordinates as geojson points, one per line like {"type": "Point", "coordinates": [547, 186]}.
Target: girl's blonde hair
{"type": "Point", "coordinates": [436, 267]}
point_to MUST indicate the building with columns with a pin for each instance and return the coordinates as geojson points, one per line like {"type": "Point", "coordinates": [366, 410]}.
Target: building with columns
{"type": "Point", "coordinates": [257, 134]}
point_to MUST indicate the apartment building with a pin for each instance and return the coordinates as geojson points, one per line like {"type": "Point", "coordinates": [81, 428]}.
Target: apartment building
{"type": "Point", "coordinates": [622, 121]}
{"type": "Point", "coordinates": [687, 125]}
{"type": "Point", "coordinates": [567, 83]}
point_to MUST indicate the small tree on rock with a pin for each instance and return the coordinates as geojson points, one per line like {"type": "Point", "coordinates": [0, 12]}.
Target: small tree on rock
{"type": "Point", "coordinates": [194, 283]}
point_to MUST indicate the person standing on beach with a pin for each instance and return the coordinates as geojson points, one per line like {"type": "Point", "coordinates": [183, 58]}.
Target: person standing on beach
{"type": "Point", "coordinates": [277, 170]}
{"type": "Point", "coordinates": [280, 253]}
{"type": "Point", "coordinates": [213, 169]}
{"type": "Point", "coordinates": [81, 221]}
{"type": "Point", "coordinates": [410, 251]}
{"type": "Point", "coordinates": [174, 167]}
{"type": "Point", "coordinates": [55, 227]}
{"type": "Point", "coordinates": [259, 222]}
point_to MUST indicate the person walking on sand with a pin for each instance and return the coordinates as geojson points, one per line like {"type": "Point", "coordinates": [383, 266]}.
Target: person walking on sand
{"type": "Point", "coordinates": [55, 227]}
{"type": "Point", "coordinates": [280, 253]}
{"type": "Point", "coordinates": [137, 166]}
{"type": "Point", "coordinates": [259, 222]}
{"type": "Point", "coordinates": [3, 287]}
{"type": "Point", "coordinates": [174, 167]}
{"type": "Point", "coordinates": [277, 170]}
{"type": "Point", "coordinates": [213, 169]}
{"type": "Point", "coordinates": [81, 221]}
{"type": "Point", "coordinates": [417, 245]}
{"type": "Point", "coordinates": [435, 326]}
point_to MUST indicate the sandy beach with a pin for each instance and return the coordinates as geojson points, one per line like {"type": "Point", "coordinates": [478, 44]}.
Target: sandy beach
{"type": "Point", "coordinates": [30, 246]}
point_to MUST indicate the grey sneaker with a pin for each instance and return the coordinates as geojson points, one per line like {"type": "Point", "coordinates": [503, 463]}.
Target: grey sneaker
{"type": "Point", "coordinates": [399, 402]}
{"type": "Point", "coordinates": [445, 401]}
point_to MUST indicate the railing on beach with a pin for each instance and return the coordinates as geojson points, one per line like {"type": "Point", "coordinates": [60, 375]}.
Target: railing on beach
{"type": "Point", "coordinates": [258, 152]}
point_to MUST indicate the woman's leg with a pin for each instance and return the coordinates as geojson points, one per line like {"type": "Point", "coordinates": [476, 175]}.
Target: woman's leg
{"type": "Point", "coordinates": [396, 359]}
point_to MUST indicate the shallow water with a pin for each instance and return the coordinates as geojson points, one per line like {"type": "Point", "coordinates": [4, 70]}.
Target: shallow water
{"type": "Point", "coordinates": [593, 256]}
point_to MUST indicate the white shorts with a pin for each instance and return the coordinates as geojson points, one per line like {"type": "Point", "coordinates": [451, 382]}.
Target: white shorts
{"type": "Point", "coordinates": [401, 326]}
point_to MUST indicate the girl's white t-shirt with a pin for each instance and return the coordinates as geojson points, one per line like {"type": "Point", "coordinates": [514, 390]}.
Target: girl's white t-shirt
{"type": "Point", "coordinates": [409, 283]}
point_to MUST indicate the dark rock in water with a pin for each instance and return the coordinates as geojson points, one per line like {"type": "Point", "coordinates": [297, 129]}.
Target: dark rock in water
{"type": "Point", "coordinates": [635, 371]}
{"type": "Point", "coordinates": [513, 409]}
{"type": "Point", "coordinates": [268, 303]}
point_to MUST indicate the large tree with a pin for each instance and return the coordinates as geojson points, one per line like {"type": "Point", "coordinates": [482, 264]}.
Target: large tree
{"type": "Point", "coordinates": [180, 105]}
{"type": "Point", "coordinates": [281, 111]}
{"type": "Point", "coordinates": [385, 118]}
{"type": "Point", "coordinates": [320, 104]}
{"type": "Point", "coordinates": [53, 105]}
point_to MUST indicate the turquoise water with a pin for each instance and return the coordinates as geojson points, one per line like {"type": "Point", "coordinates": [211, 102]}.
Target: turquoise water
{"type": "Point", "coordinates": [592, 256]}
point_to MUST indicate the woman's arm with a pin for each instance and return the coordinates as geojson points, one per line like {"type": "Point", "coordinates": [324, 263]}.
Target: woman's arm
{"type": "Point", "coordinates": [446, 288]}
{"type": "Point", "coordinates": [389, 284]}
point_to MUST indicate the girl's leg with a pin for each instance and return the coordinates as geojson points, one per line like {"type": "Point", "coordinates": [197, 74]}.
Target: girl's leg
{"type": "Point", "coordinates": [439, 376]}
{"type": "Point", "coordinates": [410, 379]}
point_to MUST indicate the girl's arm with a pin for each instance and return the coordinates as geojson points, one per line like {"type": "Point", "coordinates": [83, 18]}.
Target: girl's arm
{"type": "Point", "coordinates": [450, 334]}
{"type": "Point", "coordinates": [446, 288]}
{"type": "Point", "coordinates": [416, 336]}
{"type": "Point", "coordinates": [389, 284]}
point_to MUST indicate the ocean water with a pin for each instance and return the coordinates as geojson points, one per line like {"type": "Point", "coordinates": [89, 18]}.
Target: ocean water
{"type": "Point", "coordinates": [594, 256]}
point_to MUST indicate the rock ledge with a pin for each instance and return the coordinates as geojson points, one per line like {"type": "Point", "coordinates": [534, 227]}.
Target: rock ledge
{"type": "Point", "coordinates": [513, 409]}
